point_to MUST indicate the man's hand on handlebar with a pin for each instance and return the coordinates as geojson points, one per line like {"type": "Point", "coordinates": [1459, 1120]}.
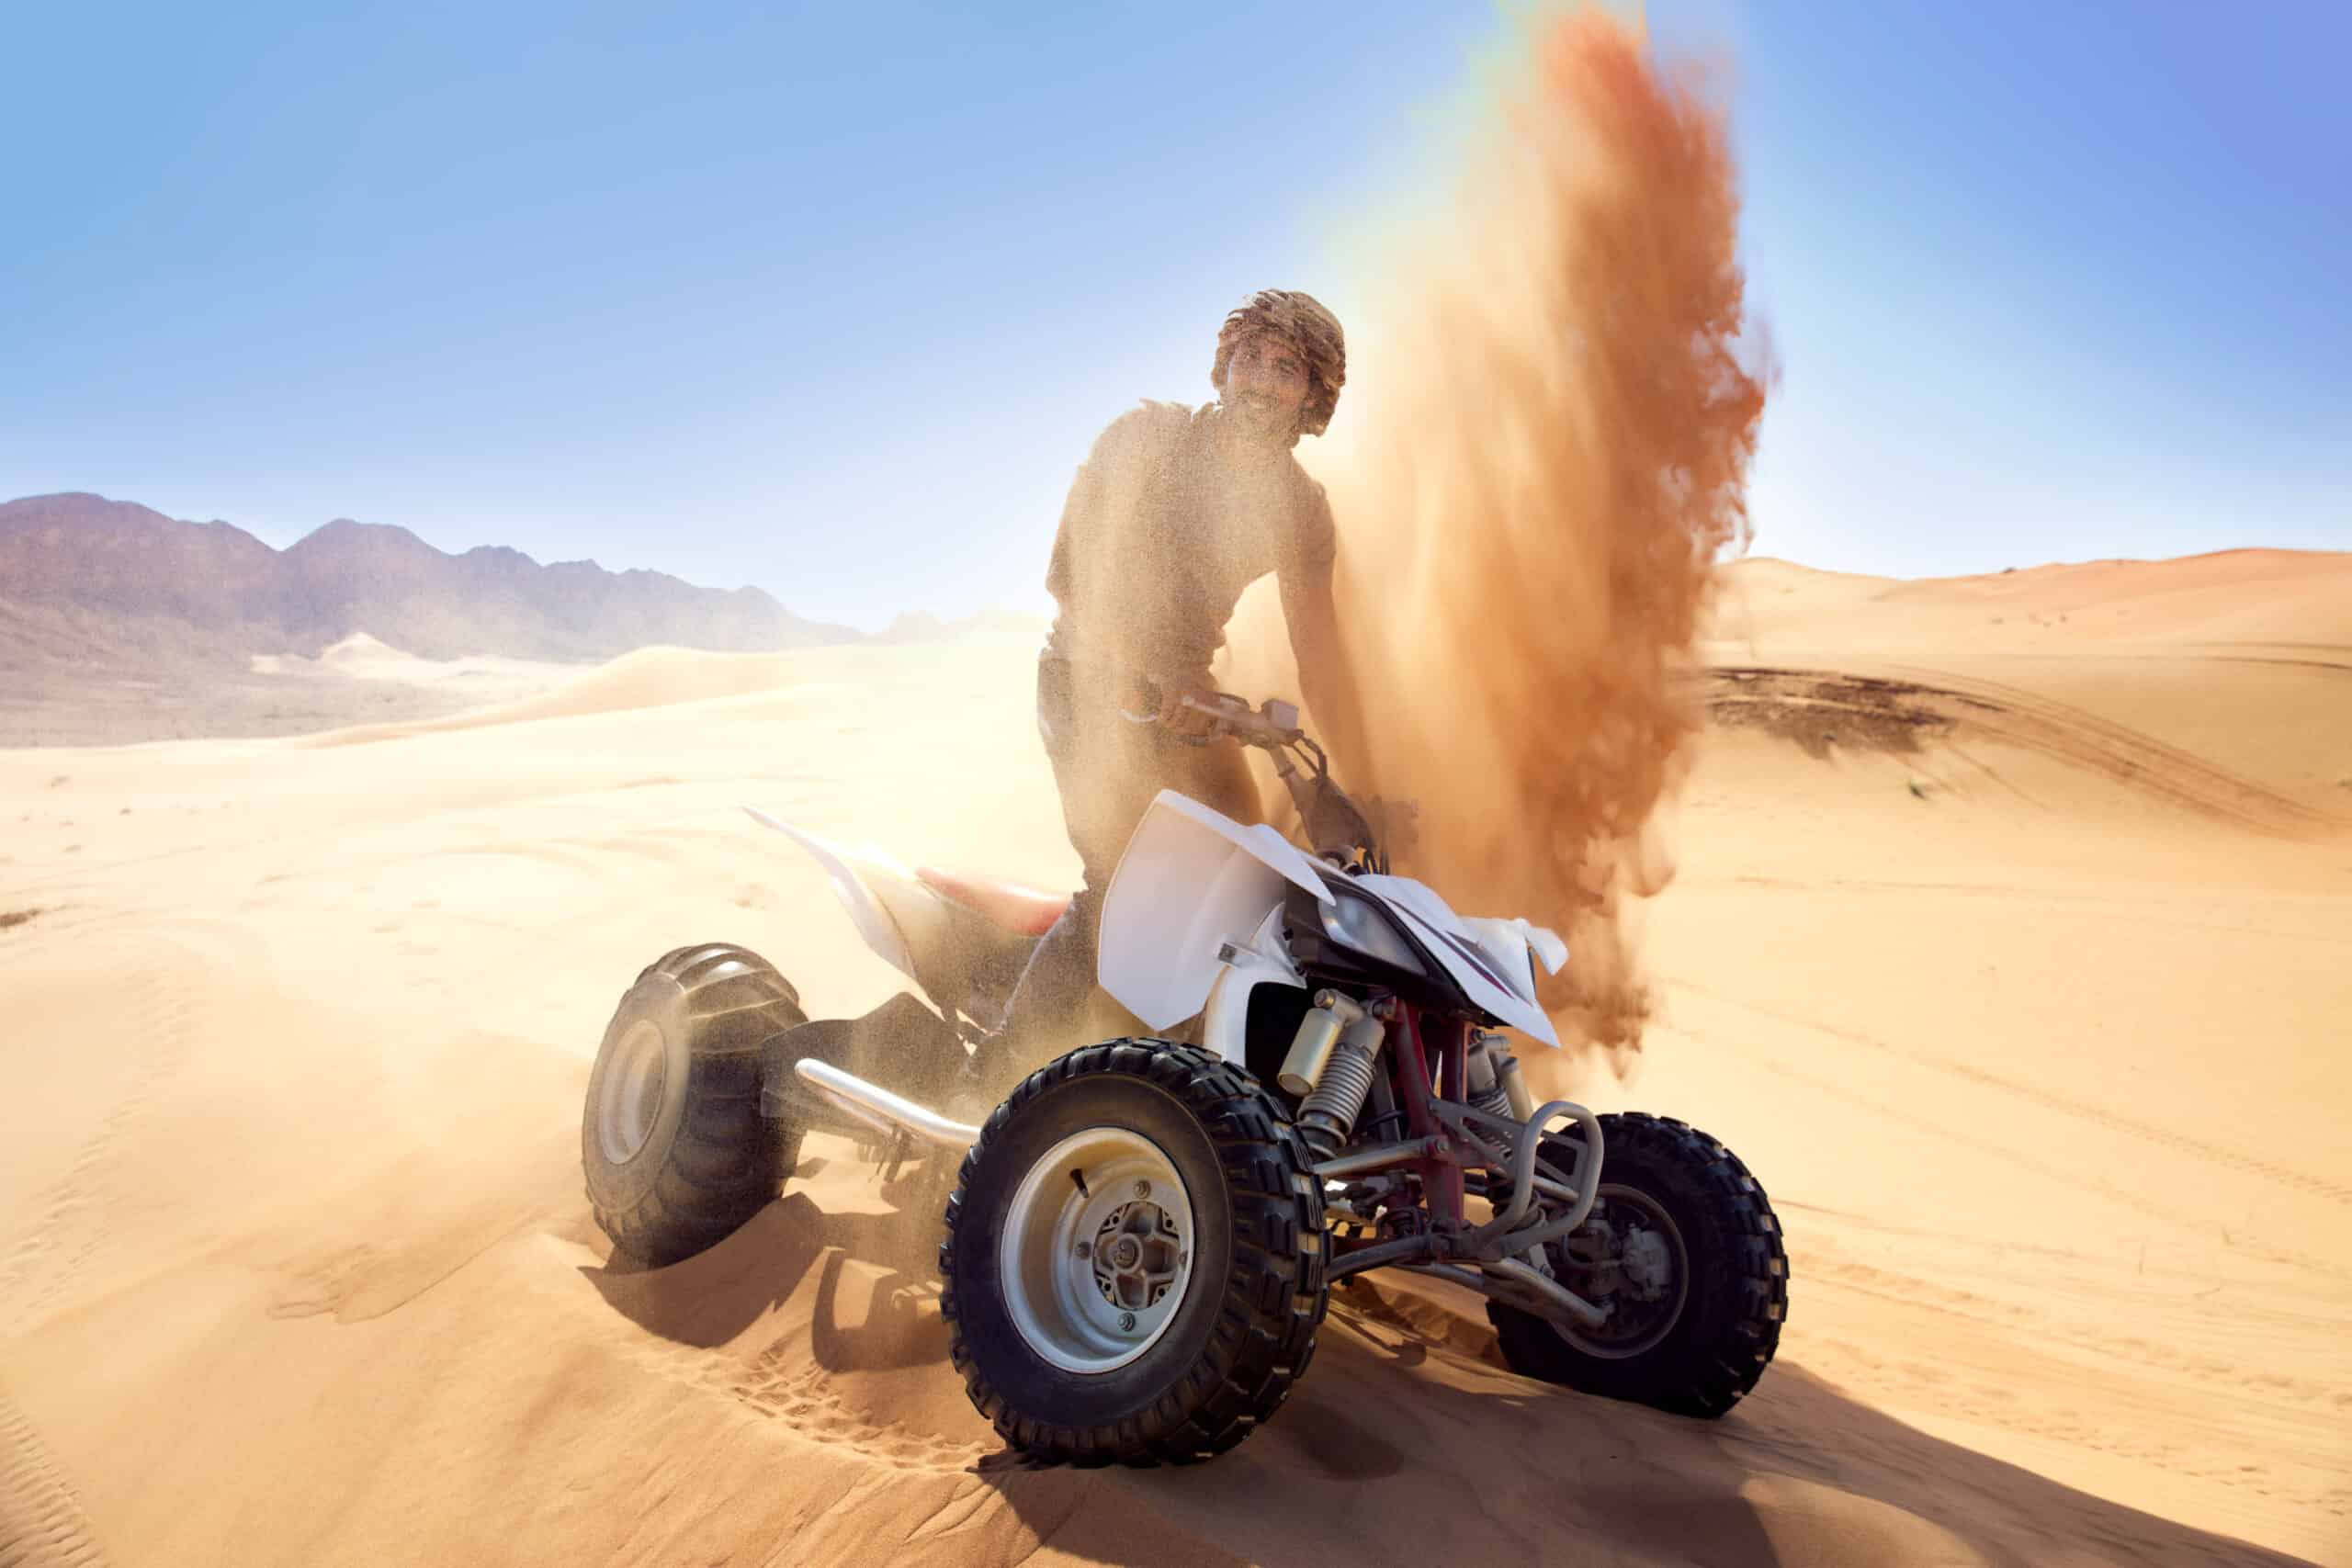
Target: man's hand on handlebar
{"type": "Point", "coordinates": [1196, 715]}
{"type": "Point", "coordinates": [1191, 713]}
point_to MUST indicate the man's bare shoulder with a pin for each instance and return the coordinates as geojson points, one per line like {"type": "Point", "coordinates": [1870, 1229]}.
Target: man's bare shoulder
{"type": "Point", "coordinates": [1150, 427]}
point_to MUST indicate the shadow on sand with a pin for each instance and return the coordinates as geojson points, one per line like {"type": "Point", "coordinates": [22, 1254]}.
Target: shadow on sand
{"type": "Point", "coordinates": [714, 1298]}
{"type": "Point", "coordinates": [1408, 1441]}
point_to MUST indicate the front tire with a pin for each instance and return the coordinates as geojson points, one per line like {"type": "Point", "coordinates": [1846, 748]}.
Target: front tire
{"type": "Point", "coordinates": [1684, 1247]}
{"type": "Point", "coordinates": [675, 1151]}
{"type": "Point", "coordinates": [1133, 1263]}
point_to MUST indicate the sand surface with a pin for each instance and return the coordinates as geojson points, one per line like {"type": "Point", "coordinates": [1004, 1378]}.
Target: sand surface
{"type": "Point", "coordinates": [2011, 945]}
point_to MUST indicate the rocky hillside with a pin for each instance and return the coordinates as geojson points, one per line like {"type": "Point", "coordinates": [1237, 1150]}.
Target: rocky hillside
{"type": "Point", "coordinates": [99, 572]}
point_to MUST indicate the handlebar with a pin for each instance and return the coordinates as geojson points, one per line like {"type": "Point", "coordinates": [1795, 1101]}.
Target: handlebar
{"type": "Point", "coordinates": [1332, 823]}
{"type": "Point", "coordinates": [1273, 725]}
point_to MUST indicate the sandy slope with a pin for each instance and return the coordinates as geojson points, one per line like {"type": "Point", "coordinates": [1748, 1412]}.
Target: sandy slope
{"type": "Point", "coordinates": [2013, 957]}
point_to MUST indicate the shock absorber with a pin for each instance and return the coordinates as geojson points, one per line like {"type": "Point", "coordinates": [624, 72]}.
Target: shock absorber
{"type": "Point", "coordinates": [1329, 1112]}
{"type": "Point", "coordinates": [1490, 1059]}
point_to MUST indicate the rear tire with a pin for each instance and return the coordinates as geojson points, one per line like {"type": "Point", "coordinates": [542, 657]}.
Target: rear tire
{"type": "Point", "coordinates": [1159, 1310]}
{"type": "Point", "coordinates": [1699, 1294]}
{"type": "Point", "coordinates": [675, 1151]}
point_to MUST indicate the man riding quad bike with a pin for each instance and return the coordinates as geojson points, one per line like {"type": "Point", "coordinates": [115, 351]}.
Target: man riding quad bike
{"type": "Point", "coordinates": [1174, 512]}
{"type": "Point", "coordinates": [1139, 1237]}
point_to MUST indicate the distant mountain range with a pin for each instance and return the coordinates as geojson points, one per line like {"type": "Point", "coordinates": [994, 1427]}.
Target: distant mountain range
{"type": "Point", "coordinates": [86, 565]}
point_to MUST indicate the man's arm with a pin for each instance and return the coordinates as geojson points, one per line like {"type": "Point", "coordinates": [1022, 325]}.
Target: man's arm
{"type": "Point", "coordinates": [1325, 679]}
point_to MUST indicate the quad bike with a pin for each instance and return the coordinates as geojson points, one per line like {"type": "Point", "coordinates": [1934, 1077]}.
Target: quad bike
{"type": "Point", "coordinates": [1140, 1240]}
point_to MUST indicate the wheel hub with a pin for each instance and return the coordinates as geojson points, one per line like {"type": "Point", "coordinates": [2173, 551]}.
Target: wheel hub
{"type": "Point", "coordinates": [1648, 1262]}
{"type": "Point", "coordinates": [1630, 1257]}
{"type": "Point", "coordinates": [1095, 1252]}
{"type": "Point", "coordinates": [630, 1099]}
{"type": "Point", "coordinates": [1137, 1255]}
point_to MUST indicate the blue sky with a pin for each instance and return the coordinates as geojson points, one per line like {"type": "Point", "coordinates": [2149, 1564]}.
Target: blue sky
{"type": "Point", "coordinates": [829, 298]}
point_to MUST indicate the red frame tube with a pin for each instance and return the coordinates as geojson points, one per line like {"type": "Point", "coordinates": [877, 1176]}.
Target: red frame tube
{"type": "Point", "coordinates": [1416, 1080]}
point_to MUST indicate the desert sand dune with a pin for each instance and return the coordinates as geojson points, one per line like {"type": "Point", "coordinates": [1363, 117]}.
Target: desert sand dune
{"type": "Point", "coordinates": [2238, 661]}
{"type": "Point", "coordinates": [2037, 1059]}
{"type": "Point", "coordinates": [2264, 598]}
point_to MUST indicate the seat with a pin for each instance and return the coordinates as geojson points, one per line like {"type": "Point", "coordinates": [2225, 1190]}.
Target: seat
{"type": "Point", "coordinates": [1008, 904]}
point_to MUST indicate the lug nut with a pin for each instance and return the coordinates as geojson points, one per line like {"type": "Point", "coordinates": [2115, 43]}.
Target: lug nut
{"type": "Point", "coordinates": [1126, 1322]}
{"type": "Point", "coordinates": [1143, 1188]}
{"type": "Point", "coordinates": [1084, 1250]}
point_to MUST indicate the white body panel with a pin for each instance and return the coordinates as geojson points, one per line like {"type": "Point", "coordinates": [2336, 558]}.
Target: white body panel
{"type": "Point", "coordinates": [856, 892]}
{"type": "Point", "coordinates": [1489, 959]}
{"type": "Point", "coordinates": [1191, 881]}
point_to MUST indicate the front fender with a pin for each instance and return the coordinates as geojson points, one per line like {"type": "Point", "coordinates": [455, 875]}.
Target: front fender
{"type": "Point", "coordinates": [1191, 884]}
{"type": "Point", "coordinates": [1263, 960]}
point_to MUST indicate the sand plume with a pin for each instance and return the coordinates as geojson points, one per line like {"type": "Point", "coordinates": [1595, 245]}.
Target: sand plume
{"type": "Point", "coordinates": [1545, 447]}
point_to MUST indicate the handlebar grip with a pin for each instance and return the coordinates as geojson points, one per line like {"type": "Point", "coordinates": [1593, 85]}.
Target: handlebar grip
{"type": "Point", "coordinates": [1230, 715]}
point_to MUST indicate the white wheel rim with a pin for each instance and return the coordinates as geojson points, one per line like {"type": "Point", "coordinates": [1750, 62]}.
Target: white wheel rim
{"type": "Point", "coordinates": [630, 1100]}
{"type": "Point", "coordinates": [1096, 1251]}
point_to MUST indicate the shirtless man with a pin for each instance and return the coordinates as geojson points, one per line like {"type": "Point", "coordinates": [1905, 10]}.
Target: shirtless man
{"type": "Point", "coordinates": [1173, 513]}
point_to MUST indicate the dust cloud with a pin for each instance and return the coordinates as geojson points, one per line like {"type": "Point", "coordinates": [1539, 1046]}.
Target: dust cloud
{"type": "Point", "coordinates": [1553, 400]}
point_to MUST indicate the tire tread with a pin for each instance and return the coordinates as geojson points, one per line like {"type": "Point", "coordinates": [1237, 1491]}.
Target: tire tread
{"type": "Point", "coordinates": [727, 1160]}
{"type": "Point", "coordinates": [1750, 1275]}
{"type": "Point", "coordinates": [1274, 1295]}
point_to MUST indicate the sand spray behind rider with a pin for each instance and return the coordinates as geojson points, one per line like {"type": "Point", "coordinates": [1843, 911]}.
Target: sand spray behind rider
{"type": "Point", "coordinates": [1552, 405]}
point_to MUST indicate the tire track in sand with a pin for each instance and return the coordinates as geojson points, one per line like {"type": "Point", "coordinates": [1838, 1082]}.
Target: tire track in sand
{"type": "Point", "coordinates": [43, 1524]}
{"type": "Point", "coordinates": [2098, 1115]}
{"type": "Point", "coordinates": [2147, 1204]}
{"type": "Point", "coordinates": [41, 1521]}
{"type": "Point", "coordinates": [68, 1234]}
{"type": "Point", "coordinates": [783, 1388]}
{"type": "Point", "coordinates": [1898, 707]}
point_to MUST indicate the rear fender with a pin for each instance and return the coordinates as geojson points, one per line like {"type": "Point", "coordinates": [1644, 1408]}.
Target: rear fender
{"type": "Point", "coordinates": [959, 958]}
{"type": "Point", "coordinates": [882, 896]}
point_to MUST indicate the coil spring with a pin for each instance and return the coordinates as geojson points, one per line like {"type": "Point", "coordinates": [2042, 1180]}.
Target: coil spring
{"type": "Point", "coordinates": [1327, 1114]}
{"type": "Point", "coordinates": [1496, 1101]}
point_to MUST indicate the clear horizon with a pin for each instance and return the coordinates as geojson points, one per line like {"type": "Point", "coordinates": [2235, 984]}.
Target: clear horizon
{"type": "Point", "coordinates": [832, 306]}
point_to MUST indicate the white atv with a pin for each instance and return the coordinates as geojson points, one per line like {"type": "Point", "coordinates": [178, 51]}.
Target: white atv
{"type": "Point", "coordinates": [1140, 1240]}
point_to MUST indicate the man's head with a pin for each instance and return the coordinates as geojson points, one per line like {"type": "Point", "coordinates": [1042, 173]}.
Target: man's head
{"type": "Point", "coordinates": [1281, 360]}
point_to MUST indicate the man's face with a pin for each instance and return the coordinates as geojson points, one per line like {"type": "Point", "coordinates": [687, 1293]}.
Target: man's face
{"type": "Point", "coordinates": [1265, 385]}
